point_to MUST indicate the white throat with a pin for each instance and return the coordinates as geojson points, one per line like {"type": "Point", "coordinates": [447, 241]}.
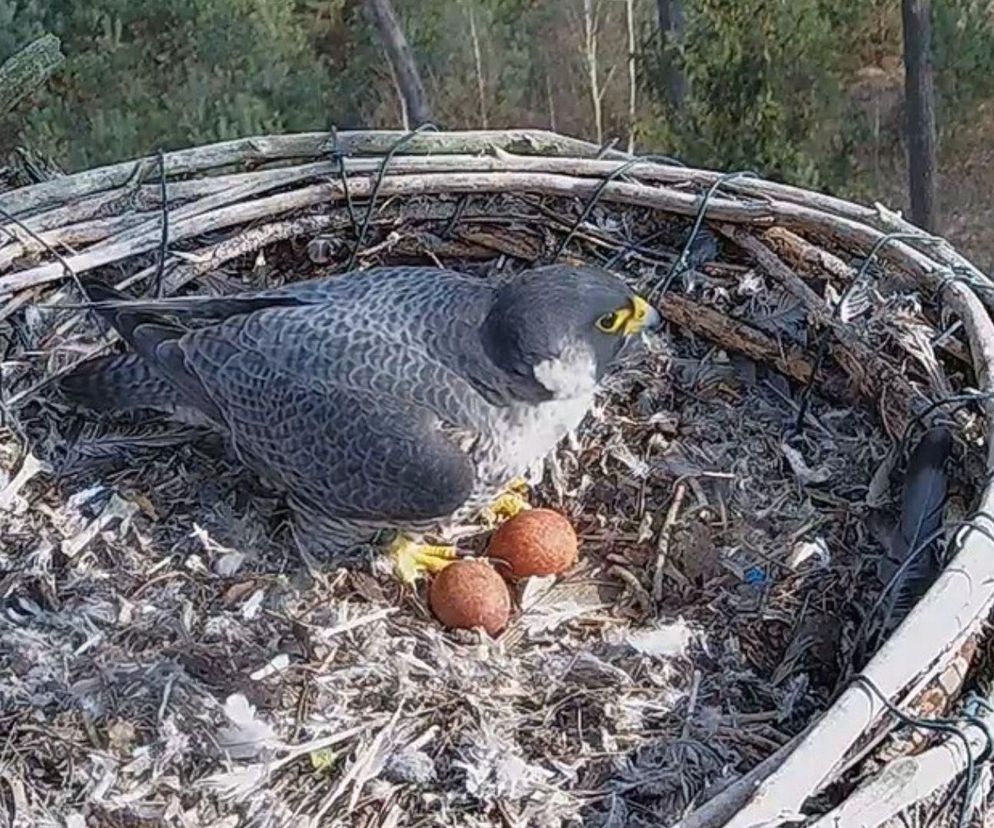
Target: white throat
{"type": "Point", "coordinates": [572, 375]}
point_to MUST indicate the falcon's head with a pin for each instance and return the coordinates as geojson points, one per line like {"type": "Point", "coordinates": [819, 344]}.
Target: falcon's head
{"type": "Point", "coordinates": [557, 329]}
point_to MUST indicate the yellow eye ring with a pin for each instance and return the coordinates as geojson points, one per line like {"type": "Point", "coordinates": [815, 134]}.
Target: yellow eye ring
{"type": "Point", "coordinates": [617, 321]}
{"type": "Point", "coordinates": [611, 322]}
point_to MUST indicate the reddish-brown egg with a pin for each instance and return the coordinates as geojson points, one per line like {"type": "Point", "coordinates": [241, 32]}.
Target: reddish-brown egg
{"type": "Point", "coordinates": [535, 542]}
{"type": "Point", "coordinates": [470, 593]}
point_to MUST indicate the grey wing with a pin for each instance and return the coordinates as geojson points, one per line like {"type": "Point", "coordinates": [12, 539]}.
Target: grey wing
{"type": "Point", "coordinates": [343, 450]}
{"type": "Point", "coordinates": [345, 287]}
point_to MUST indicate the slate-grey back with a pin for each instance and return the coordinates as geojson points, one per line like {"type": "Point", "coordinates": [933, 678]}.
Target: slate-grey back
{"type": "Point", "coordinates": [376, 398]}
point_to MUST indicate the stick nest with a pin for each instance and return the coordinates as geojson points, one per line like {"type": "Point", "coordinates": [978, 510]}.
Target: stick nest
{"type": "Point", "coordinates": [169, 659]}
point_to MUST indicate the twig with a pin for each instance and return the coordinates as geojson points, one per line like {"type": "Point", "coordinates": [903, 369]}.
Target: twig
{"type": "Point", "coordinates": [643, 598]}
{"type": "Point", "coordinates": [663, 542]}
{"type": "Point", "coordinates": [164, 239]}
{"type": "Point", "coordinates": [695, 688]}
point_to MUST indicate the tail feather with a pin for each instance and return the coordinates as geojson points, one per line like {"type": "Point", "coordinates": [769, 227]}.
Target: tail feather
{"type": "Point", "coordinates": [154, 376]}
{"type": "Point", "coordinates": [112, 306]}
{"type": "Point", "coordinates": [120, 309]}
{"type": "Point", "coordinates": [118, 383]}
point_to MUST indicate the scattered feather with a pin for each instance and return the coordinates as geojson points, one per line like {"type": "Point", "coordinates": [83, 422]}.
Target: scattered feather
{"type": "Point", "coordinates": [815, 551]}
{"type": "Point", "coordinates": [275, 665]}
{"type": "Point", "coordinates": [10, 497]}
{"type": "Point", "coordinates": [805, 475]}
{"type": "Point", "coordinates": [858, 301]}
{"type": "Point", "coordinates": [245, 735]}
{"type": "Point", "coordinates": [922, 506]}
{"type": "Point", "coordinates": [669, 640]}
{"type": "Point", "coordinates": [410, 767]}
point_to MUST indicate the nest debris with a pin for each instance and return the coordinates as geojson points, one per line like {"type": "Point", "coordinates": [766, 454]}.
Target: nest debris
{"type": "Point", "coordinates": [168, 659]}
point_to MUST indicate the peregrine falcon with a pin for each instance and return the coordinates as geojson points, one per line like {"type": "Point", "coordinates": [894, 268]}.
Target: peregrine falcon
{"type": "Point", "coordinates": [395, 398]}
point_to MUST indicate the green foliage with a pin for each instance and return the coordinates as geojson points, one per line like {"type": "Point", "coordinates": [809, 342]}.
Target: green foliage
{"type": "Point", "coordinates": [143, 74]}
{"type": "Point", "coordinates": [963, 52]}
{"type": "Point", "coordinates": [19, 25]}
{"type": "Point", "coordinates": [769, 83]}
{"type": "Point", "coordinates": [762, 87]}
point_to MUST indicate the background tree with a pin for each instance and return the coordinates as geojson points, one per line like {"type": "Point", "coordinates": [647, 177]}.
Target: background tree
{"type": "Point", "coordinates": [142, 74]}
{"type": "Point", "coordinates": [670, 13]}
{"type": "Point", "coordinates": [917, 17]}
{"type": "Point", "coordinates": [810, 91]}
{"type": "Point", "coordinates": [398, 52]}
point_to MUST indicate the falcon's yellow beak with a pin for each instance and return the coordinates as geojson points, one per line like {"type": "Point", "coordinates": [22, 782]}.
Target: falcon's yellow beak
{"type": "Point", "coordinates": [643, 317]}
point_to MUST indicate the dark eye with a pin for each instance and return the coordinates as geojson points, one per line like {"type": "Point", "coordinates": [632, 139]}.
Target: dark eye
{"type": "Point", "coordinates": [608, 322]}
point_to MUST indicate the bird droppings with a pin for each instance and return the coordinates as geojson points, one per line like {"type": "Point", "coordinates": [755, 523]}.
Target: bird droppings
{"type": "Point", "coordinates": [256, 688]}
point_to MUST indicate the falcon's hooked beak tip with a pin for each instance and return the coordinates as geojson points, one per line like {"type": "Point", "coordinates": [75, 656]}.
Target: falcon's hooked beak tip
{"type": "Point", "coordinates": [645, 318]}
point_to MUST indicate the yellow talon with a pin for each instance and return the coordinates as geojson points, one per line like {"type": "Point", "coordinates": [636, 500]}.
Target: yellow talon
{"type": "Point", "coordinates": [518, 486]}
{"type": "Point", "coordinates": [507, 505]}
{"type": "Point", "coordinates": [412, 559]}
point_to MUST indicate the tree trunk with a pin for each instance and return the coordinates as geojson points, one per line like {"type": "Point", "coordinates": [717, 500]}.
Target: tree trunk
{"type": "Point", "coordinates": [632, 78]}
{"type": "Point", "coordinates": [920, 105]}
{"type": "Point", "coordinates": [28, 69]}
{"type": "Point", "coordinates": [590, 9]}
{"type": "Point", "coordinates": [405, 122]}
{"type": "Point", "coordinates": [401, 59]}
{"type": "Point", "coordinates": [551, 100]}
{"type": "Point", "coordinates": [481, 86]}
{"type": "Point", "coordinates": [670, 13]}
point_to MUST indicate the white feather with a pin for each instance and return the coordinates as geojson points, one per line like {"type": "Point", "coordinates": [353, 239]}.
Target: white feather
{"type": "Point", "coordinates": [524, 435]}
{"type": "Point", "coordinates": [571, 375]}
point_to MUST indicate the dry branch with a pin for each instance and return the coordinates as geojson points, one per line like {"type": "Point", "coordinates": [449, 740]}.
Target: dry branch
{"type": "Point", "coordinates": [306, 145]}
{"type": "Point", "coordinates": [28, 69]}
{"type": "Point", "coordinates": [736, 336]}
{"type": "Point", "coordinates": [909, 779]}
{"type": "Point", "coordinates": [558, 185]}
{"type": "Point", "coordinates": [871, 374]}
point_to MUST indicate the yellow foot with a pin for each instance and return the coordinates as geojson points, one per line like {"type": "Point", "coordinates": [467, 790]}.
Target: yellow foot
{"type": "Point", "coordinates": [412, 559]}
{"type": "Point", "coordinates": [507, 505]}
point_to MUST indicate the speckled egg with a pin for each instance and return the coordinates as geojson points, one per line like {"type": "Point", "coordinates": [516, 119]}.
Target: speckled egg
{"type": "Point", "coordinates": [535, 542]}
{"type": "Point", "coordinates": [470, 593]}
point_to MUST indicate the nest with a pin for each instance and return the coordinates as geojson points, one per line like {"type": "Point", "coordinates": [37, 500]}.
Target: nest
{"type": "Point", "coordinates": [724, 654]}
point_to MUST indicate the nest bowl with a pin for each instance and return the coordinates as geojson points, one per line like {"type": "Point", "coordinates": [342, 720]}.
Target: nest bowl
{"type": "Point", "coordinates": [726, 651]}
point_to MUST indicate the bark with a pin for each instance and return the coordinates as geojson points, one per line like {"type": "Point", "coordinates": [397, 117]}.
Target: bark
{"type": "Point", "coordinates": [481, 86]}
{"type": "Point", "coordinates": [551, 100]}
{"type": "Point", "coordinates": [590, 55]}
